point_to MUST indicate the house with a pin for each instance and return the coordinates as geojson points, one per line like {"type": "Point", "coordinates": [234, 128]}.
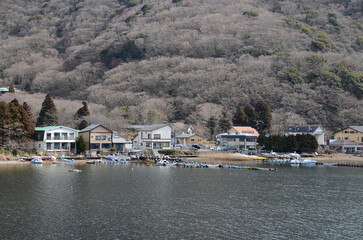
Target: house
{"type": "Point", "coordinates": [4, 89]}
{"type": "Point", "coordinates": [237, 141]}
{"type": "Point", "coordinates": [98, 138]}
{"type": "Point", "coordinates": [245, 129]}
{"type": "Point", "coordinates": [155, 136]}
{"type": "Point", "coordinates": [55, 139]}
{"type": "Point", "coordinates": [346, 146]}
{"type": "Point", "coordinates": [316, 131]}
{"type": "Point", "coordinates": [351, 133]}
{"type": "Point", "coordinates": [120, 144]}
{"type": "Point", "coordinates": [189, 139]}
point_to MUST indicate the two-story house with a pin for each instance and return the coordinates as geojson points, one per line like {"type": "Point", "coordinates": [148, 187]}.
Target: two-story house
{"type": "Point", "coordinates": [55, 139]}
{"type": "Point", "coordinates": [316, 131]}
{"type": "Point", "coordinates": [155, 136]}
{"type": "Point", "coordinates": [351, 133]}
{"type": "Point", "coordinates": [243, 129]}
{"type": "Point", "coordinates": [187, 139]}
{"type": "Point", "coordinates": [98, 138]}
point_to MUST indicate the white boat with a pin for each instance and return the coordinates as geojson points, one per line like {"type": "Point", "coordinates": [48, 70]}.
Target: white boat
{"type": "Point", "coordinates": [295, 162]}
{"type": "Point", "coordinates": [37, 161]}
{"type": "Point", "coordinates": [330, 164]}
{"type": "Point", "coordinates": [308, 162]}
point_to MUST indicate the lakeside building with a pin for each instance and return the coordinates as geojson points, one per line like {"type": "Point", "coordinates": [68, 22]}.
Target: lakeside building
{"type": "Point", "coordinates": [346, 146]}
{"type": "Point", "coordinates": [55, 139]}
{"type": "Point", "coordinates": [243, 129]}
{"type": "Point", "coordinates": [316, 131]}
{"type": "Point", "coordinates": [351, 133]}
{"type": "Point", "coordinates": [189, 139]}
{"type": "Point", "coordinates": [98, 139]}
{"type": "Point", "coordinates": [155, 136]}
{"type": "Point", "coordinates": [237, 141]}
{"type": "Point", "coordinates": [120, 144]}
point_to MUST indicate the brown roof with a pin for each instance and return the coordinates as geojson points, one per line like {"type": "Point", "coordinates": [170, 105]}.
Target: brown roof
{"type": "Point", "coordinates": [249, 130]}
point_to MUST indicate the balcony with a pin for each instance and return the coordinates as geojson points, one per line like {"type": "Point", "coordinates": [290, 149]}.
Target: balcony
{"type": "Point", "coordinates": [61, 138]}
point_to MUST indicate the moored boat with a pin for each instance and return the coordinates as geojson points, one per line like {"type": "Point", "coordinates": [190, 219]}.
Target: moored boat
{"type": "Point", "coordinates": [37, 161]}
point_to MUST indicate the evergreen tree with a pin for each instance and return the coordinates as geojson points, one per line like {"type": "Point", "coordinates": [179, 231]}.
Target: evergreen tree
{"type": "Point", "coordinates": [250, 116]}
{"type": "Point", "coordinates": [239, 118]}
{"type": "Point", "coordinates": [211, 125]}
{"type": "Point", "coordinates": [83, 111]}
{"type": "Point", "coordinates": [48, 115]}
{"type": "Point", "coordinates": [83, 124]}
{"type": "Point", "coordinates": [11, 88]}
{"type": "Point", "coordinates": [81, 144]}
{"type": "Point", "coordinates": [25, 121]}
{"type": "Point", "coordinates": [4, 120]}
{"type": "Point", "coordinates": [263, 116]}
{"type": "Point", "coordinates": [225, 121]}
{"type": "Point", "coordinates": [28, 109]}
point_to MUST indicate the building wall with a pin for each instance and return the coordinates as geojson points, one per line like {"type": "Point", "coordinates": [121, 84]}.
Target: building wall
{"type": "Point", "coordinates": [146, 139]}
{"type": "Point", "coordinates": [66, 143]}
{"type": "Point", "coordinates": [349, 134]}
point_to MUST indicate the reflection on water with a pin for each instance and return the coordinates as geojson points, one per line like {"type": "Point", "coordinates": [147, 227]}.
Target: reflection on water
{"type": "Point", "coordinates": [145, 202]}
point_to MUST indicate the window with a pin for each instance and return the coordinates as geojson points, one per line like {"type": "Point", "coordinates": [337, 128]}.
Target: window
{"type": "Point", "coordinates": [165, 144]}
{"type": "Point", "coordinates": [106, 145]}
{"type": "Point", "coordinates": [40, 145]}
{"type": "Point", "coordinates": [49, 146]}
{"type": "Point", "coordinates": [346, 138]}
{"type": "Point", "coordinates": [56, 136]}
{"type": "Point", "coordinates": [95, 146]}
{"type": "Point", "coordinates": [65, 146]}
{"type": "Point", "coordinates": [346, 131]}
{"type": "Point", "coordinates": [362, 139]}
{"type": "Point", "coordinates": [71, 135]}
{"type": "Point", "coordinates": [49, 136]}
{"type": "Point", "coordinates": [199, 139]}
{"type": "Point", "coordinates": [338, 138]}
{"type": "Point", "coordinates": [56, 145]}
{"type": "Point", "coordinates": [64, 136]}
{"type": "Point", "coordinates": [148, 144]}
{"type": "Point", "coordinates": [351, 131]}
{"type": "Point", "coordinates": [149, 136]}
{"type": "Point", "coordinates": [192, 139]}
{"type": "Point", "coordinates": [157, 136]}
{"type": "Point", "coordinates": [100, 137]}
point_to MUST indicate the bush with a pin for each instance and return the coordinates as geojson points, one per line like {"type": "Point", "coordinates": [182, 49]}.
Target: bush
{"type": "Point", "coordinates": [177, 1]}
{"type": "Point", "coordinates": [333, 19]}
{"type": "Point", "coordinates": [132, 3]}
{"type": "Point", "coordinates": [177, 152]}
{"type": "Point", "coordinates": [250, 13]}
{"type": "Point", "coordinates": [318, 45]}
{"type": "Point", "coordinates": [359, 41]}
{"type": "Point", "coordinates": [315, 59]}
{"type": "Point", "coordinates": [293, 75]}
{"type": "Point", "coordinates": [358, 24]}
{"type": "Point", "coordinates": [332, 79]}
{"type": "Point", "coordinates": [35, 18]}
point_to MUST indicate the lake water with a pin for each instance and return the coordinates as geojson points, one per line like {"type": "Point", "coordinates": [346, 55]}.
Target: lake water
{"type": "Point", "coordinates": [132, 201]}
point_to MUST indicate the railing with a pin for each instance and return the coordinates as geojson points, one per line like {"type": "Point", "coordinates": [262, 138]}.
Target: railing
{"type": "Point", "coordinates": [61, 138]}
{"type": "Point", "coordinates": [58, 149]}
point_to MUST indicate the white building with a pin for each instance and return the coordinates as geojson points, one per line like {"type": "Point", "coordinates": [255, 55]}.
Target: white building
{"type": "Point", "coordinates": [316, 131]}
{"type": "Point", "coordinates": [155, 136]}
{"type": "Point", "coordinates": [55, 139]}
{"type": "Point", "coordinates": [237, 141]}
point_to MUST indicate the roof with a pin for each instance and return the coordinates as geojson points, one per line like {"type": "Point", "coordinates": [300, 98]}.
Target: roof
{"type": "Point", "coordinates": [357, 128]}
{"type": "Point", "coordinates": [91, 127]}
{"type": "Point", "coordinates": [185, 135]}
{"type": "Point", "coordinates": [342, 142]}
{"type": "Point", "coordinates": [4, 89]}
{"type": "Point", "coordinates": [301, 129]}
{"type": "Point", "coordinates": [231, 135]}
{"type": "Point", "coordinates": [245, 129]}
{"type": "Point", "coordinates": [51, 127]}
{"type": "Point", "coordinates": [152, 127]}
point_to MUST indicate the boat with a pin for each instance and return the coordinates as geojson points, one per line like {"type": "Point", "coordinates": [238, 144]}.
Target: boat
{"type": "Point", "coordinates": [330, 164]}
{"type": "Point", "coordinates": [74, 170]}
{"type": "Point", "coordinates": [37, 161]}
{"type": "Point", "coordinates": [91, 162]}
{"type": "Point", "coordinates": [295, 162]}
{"type": "Point", "coordinates": [67, 160]}
{"type": "Point", "coordinates": [308, 162]}
{"type": "Point", "coordinates": [216, 165]}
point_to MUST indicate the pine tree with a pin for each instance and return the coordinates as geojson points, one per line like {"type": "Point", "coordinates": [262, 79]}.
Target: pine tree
{"type": "Point", "coordinates": [81, 144]}
{"type": "Point", "coordinates": [263, 116]}
{"type": "Point", "coordinates": [211, 125]}
{"type": "Point", "coordinates": [83, 124]}
{"type": "Point", "coordinates": [48, 115]}
{"type": "Point", "coordinates": [83, 111]}
{"type": "Point", "coordinates": [239, 118]}
{"type": "Point", "coordinates": [250, 116]}
{"type": "Point", "coordinates": [4, 120]}
{"type": "Point", "coordinates": [11, 88]}
{"type": "Point", "coordinates": [28, 109]}
{"type": "Point", "coordinates": [225, 121]}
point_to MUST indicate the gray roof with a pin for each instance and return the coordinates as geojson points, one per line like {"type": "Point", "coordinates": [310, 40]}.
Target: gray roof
{"type": "Point", "coordinates": [357, 128]}
{"type": "Point", "coordinates": [152, 127]}
{"type": "Point", "coordinates": [185, 135]}
{"type": "Point", "coordinates": [301, 129]}
{"type": "Point", "coordinates": [342, 142]}
{"type": "Point", "coordinates": [91, 127]}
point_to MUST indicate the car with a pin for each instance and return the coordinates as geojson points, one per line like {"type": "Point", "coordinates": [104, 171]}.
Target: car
{"type": "Point", "coordinates": [196, 146]}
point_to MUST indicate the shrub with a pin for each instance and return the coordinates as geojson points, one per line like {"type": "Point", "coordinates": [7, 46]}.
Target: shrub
{"type": "Point", "coordinates": [293, 75]}
{"type": "Point", "coordinates": [35, 18]}
{"type": "Point", "coordinates": [358, 24]}
{"type": "Point", "coordinates": [79, 7]}
{"type": "Point", "coordinates": [250, 13]}
{"type": "Point", "coordinates": [129, 19]}
{"type": "Point", "coordinates": [177, 1]}
{"type": "Point", "coordinates": [333, 19]}
{"type": "Point", "coordinates": [177, 152]}
{"type": "Point", "coordinates": [315, 59]}
{"type": "Point", "coordinates": [318, 45]}
{"type": "Point", "coordinates": [359, 41]}
{"type": "Point", "coordinates": [332, 79]}
{"type": "Point", "coordinates": [132, 3]}
{"type": "Point", "coordinates": [145, 9]}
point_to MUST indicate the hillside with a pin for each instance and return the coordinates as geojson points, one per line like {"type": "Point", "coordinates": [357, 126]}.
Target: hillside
{"type": "Point", "coordinates": [185, 60]}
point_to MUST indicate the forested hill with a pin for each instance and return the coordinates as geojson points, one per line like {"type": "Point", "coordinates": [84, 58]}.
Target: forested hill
{"type": "Point", "coordinates": [182, 58]}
